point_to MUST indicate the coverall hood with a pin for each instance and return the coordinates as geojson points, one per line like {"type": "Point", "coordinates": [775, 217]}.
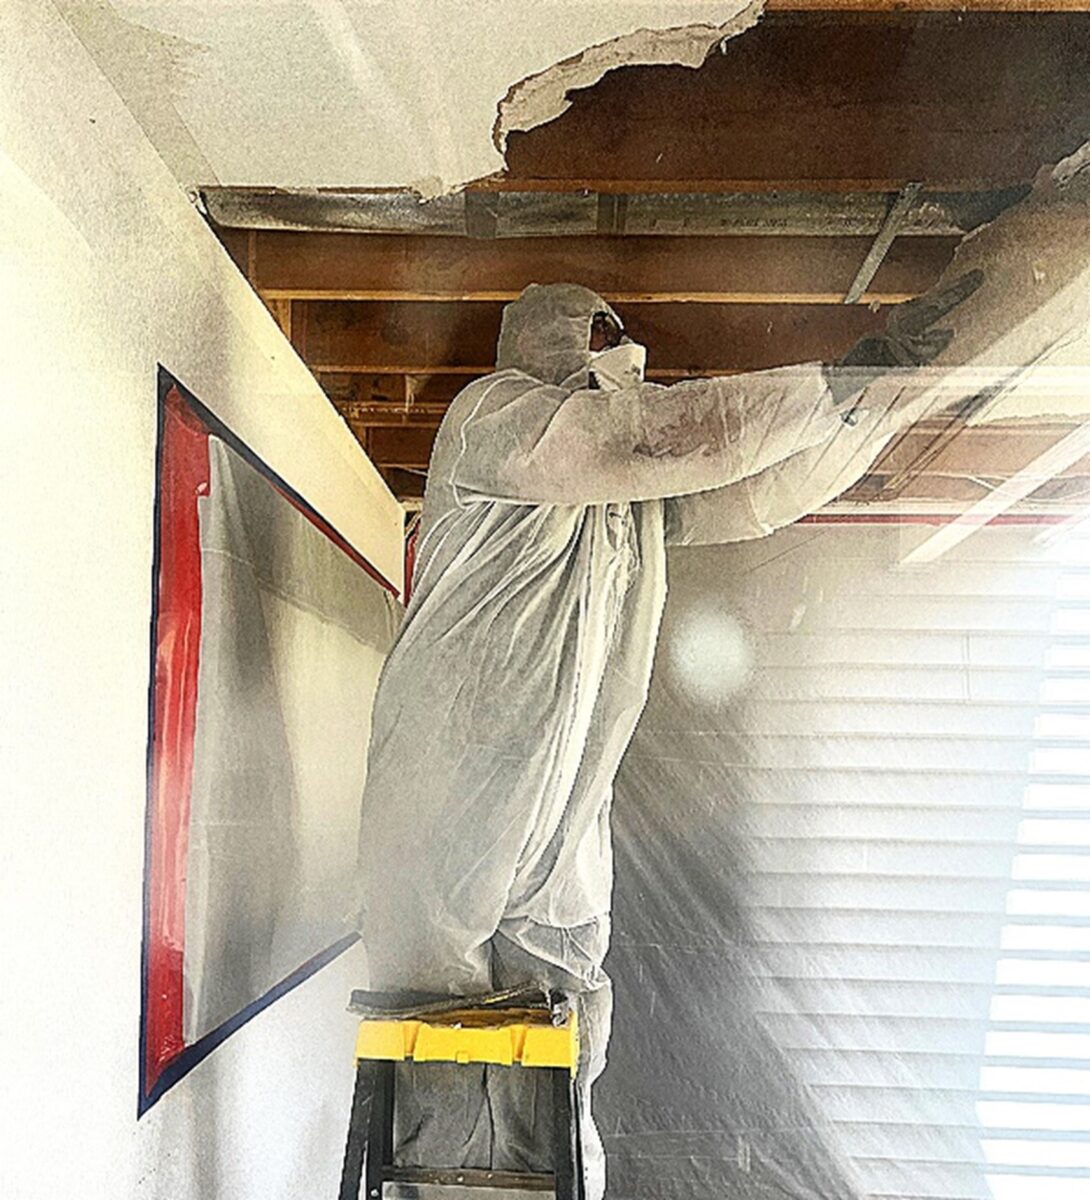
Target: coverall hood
{"type": "Point", "coordinates": [545, 333]}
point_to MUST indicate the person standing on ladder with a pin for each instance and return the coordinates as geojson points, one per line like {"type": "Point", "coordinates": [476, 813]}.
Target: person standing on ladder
{"type": "Point", "coordinates": [525, 655]}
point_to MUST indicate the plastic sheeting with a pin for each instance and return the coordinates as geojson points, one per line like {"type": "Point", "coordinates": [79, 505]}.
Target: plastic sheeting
{"type": "Point", "coordinates": [293, 637]}
{"type": "Point", "coordinates": [816, 826]}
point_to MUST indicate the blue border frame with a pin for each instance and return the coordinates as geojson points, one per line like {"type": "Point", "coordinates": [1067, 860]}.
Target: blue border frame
{"type": "Point", "coordinates": [179, 1067]}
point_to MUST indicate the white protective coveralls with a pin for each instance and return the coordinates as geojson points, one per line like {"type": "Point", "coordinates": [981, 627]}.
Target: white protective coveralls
{"type": "Point", "coordinates": [523, 664]}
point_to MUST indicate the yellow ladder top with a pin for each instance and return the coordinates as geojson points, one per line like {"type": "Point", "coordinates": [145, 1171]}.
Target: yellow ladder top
{"type": "Point", "coordinates": [505, 1038]}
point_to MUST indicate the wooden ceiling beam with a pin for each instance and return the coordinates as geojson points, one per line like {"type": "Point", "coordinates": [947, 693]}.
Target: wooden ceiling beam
{"type": "Point", "coordinates": [625, 270]}
{"type": "Point", "coordinates": [280, 296]}
{"type": "Point", "coordinates": [427, 337]}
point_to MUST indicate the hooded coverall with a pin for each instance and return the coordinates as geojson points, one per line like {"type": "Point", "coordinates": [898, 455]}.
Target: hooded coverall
{"type": "Point", "coordinates": [523, 664]}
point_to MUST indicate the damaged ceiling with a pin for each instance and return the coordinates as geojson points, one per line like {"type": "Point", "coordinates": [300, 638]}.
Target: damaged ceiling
{"type": "Point", "coordinates": [747, 200]}
{"type": "Point", "coordinates": [371, 93]}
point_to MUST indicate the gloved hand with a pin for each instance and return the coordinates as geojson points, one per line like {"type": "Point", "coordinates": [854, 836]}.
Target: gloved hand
{"type": "Point", "coordinates": [912, 339]}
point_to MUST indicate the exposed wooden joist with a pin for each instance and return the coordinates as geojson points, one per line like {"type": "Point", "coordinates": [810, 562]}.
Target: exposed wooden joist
{"type": "Point", "coordinates": [655, 187]}
{"type": "Point", "coordinates": [634, 270]}
{"type": "Point", "coordinates": [998, 450]}
{"type": "Point", "coordinates": [1023, 483]}
{"type": "Point", "coordinates": [425, 337]}
{"type": "Point", "coordinates": [423, 371]}
{"type": "Point", "coordinates": [378, 416]}
{"type": "Point", "coordinates": [276, 296]}
{"type": "Point", "coordinates": [960, 492]}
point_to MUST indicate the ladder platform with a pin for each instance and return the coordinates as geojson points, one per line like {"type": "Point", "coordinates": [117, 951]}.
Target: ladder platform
{"type": "Point", "coordinates": [523, 1027]}
{"type": "Point", "coordinates": [508, 1037]}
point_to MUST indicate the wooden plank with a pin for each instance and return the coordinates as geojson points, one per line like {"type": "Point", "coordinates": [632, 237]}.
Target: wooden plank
{"type": "Point", "coordinates": [285, 295]}
{"type": "Point", "coordinates": [375, 416]}
{"type": "Point", "coordinates": [451, 338]}
{"type": "Point", "coordinates": [391, 400]}
{"type": "Point", "coordinates": [997, 452]}
{"type": "Point", "coordinates": [406, 446]}
{"type": "Point", "coordinates": [405, 485]}
{"type": "Point", "coordinates": [985, 97]}
{"type": "Point", "coordinates": [960, 492]}
{"type": "Point", "coordinates": [237, 244]}
{"type": "Point", "coordinates": [727, 269]}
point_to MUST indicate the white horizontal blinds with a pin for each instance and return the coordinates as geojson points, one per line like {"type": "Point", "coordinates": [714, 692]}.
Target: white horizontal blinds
{"type": "Point", "coordinates": [882, 751]}
{"type": "Point", "coordinates": [1034, 1101]}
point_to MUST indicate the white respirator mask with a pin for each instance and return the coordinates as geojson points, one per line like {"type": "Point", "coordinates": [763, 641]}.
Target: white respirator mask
{"type": "Point", "coordinates": [619, 367]}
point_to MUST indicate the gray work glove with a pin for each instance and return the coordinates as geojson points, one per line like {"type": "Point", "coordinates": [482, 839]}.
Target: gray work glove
{"type": "Point", "coordinates": [912, 338]}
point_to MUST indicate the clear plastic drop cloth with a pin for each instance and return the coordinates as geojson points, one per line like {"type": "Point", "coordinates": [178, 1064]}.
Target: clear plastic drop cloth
{"type": "Point", "coordinates": [816, 829]}
{"type": "Point", "coordinates": [524, 661]}
{"type": "Point", "coordinates": [293, 635]}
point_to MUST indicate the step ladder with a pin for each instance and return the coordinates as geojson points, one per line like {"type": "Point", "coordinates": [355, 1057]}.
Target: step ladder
{"type": "Point", "coordinates": [517, 1030]}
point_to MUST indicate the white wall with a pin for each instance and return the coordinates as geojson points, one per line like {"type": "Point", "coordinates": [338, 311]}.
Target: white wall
{"type": "Point", "coordinates": [104, 270]}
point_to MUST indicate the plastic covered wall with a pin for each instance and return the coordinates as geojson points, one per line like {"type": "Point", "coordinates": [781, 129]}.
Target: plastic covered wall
{"type": "Point", "coordinates": [269, 636]}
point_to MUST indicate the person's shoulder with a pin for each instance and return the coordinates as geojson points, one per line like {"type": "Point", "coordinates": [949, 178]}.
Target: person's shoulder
{"type": "Point", "coordinates": [488, 393]}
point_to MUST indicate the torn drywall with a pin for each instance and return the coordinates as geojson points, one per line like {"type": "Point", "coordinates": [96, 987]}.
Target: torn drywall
{"type": "Point", "coordinates": [543, 97]}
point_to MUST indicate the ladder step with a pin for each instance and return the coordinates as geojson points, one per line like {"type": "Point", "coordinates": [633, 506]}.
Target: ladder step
{"type": "Point", "coordinates": [526, 1181]}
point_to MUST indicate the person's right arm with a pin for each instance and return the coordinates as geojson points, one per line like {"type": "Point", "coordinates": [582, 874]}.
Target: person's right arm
{"type": "Point", "coordinates": [544, 445]}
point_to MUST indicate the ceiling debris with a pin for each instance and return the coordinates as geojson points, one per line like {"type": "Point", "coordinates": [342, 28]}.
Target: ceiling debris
{"type": "Point", "coordinates": [542, 97]}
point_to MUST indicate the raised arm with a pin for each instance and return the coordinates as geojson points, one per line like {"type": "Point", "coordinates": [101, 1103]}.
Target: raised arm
{"type": "Point", "coordinates": [877, 386]}
{"type": "Point", "coordinates": [779, 495]}
{"type": "Point", "coordinates": [539, 444]}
